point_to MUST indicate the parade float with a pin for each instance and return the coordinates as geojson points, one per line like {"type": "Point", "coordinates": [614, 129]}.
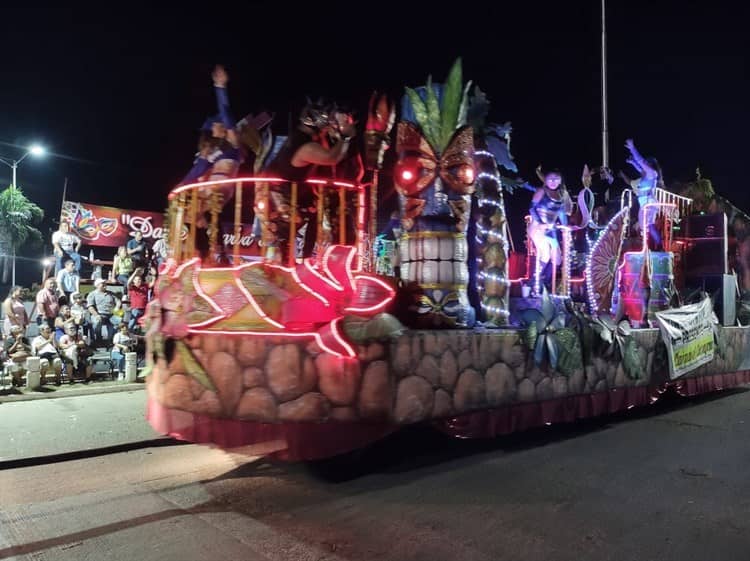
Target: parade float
{"type": "Point", "coordinates": [308, 356]}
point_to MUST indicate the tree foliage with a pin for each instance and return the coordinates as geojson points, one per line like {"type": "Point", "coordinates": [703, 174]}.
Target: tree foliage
{"type": "Point", "coordinates": [18, 217]}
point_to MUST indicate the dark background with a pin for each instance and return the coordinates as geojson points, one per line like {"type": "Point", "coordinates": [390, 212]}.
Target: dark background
{"type": "Point", "coordinates": [119, 93]}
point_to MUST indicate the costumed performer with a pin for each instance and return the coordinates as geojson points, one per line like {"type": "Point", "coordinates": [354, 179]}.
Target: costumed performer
{"type": "Point", "coordinates": [550, 205]}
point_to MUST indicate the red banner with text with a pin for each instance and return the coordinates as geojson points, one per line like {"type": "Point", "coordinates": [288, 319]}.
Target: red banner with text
{"type": "Point", "coordinates": [108, 226]}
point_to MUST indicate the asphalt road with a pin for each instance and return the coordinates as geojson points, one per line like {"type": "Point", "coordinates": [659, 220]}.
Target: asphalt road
{"type": "Point", "coordinates": [53, 426]}
{"type": "Point", "coordinates": [668, 483]}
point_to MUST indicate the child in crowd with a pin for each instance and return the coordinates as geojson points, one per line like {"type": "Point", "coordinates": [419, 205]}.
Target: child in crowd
{"type": "Point", "coordinates": [123, 343]}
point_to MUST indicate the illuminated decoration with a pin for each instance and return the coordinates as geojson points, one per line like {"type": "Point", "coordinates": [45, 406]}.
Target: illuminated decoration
{"type": "Point", "coordinates": [363, 254]}
{"type": "Point", "coordinates": [640, 297]}
{"type": "Point", "coordinates": [681, 203]}
{"type": "Point", "coordinates": [434, 177]}
{"type": "Point", "coordinates": [272, 300]}
{"type": "Point", "coordinates": [269, 211]}
{"type": "Point", "coordinates": [299, 352]}
{"type": "Point", "coordinates": [219, 182]}
{"type": "Point", "coordinates": [646, 269]}
{"type": "Point", "coordinates": [603, 259]}
{"type": "Point", "coordinates": [491, 284]}
{"type": "Point", "coordinates": [380, 119]}
{"type": "Point", "coordinates": [669, 212]}
{"type": "Point", "coordinates": [567, 245]}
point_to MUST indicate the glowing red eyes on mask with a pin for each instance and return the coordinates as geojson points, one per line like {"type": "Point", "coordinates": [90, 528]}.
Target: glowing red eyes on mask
{"type": "Point", "coordinates": [407, 174]}
{"type": "Point", "coordinates": [411, 177]}
{"type": "Point", "coordinates": [466, 174]}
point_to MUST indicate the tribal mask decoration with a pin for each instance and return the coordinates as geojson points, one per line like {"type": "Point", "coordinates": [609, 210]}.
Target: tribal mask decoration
{"type": "Point", "coordinates": [380, 119]}
{"type": "Point", "coordinates": [434, 177]}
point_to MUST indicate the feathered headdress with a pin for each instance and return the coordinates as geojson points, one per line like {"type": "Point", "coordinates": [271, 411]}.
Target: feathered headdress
{"type": "Point", "coordinates": [439, 110]}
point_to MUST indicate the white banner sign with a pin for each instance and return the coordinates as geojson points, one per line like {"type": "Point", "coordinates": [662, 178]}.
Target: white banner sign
{"type": "Point", "coordinates": [689, 336]}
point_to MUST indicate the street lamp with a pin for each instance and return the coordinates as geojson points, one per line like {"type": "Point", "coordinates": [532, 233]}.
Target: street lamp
{"type": "Point", "coordinates": [35, 150]}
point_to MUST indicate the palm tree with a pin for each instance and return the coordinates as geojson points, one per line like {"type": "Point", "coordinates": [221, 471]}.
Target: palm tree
{"type": "Point", "coordinates": [18, 215]}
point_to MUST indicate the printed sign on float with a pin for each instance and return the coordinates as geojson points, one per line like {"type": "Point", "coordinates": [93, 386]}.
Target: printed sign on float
{"type": "Point", "coordinates": [688, 334]}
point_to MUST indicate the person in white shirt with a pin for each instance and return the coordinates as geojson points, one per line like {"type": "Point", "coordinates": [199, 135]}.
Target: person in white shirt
{"type": "Point", "coordinates": [123, 343]}
{"type": "Point", "coordinates": [66, 243]}
{"type": "Point", "coordinates": [79, 313]}
{"type": "Point", "coordinates": [68, 281]}
{"type": "Point", "coordinates": [45, 348]}
{"type": "Point", "coordinates": [159, 250]}
{"type": "Point", "coordinates": [74, 349]}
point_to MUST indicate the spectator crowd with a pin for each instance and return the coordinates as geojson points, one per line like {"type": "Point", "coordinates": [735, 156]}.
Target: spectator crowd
{"type": "Point", "coordinates": [75, 325]}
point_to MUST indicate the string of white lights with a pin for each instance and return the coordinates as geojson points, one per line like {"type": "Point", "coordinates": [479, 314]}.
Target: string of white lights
{"type": "Point", "coordinates": [491, 235]}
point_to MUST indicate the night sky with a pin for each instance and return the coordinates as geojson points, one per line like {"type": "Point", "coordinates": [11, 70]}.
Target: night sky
{"type": "Point", "coordinates": [121, 93]}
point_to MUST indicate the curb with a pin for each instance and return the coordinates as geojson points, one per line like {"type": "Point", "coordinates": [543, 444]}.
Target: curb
{"type": "Point", "coordinates": [77, 392]}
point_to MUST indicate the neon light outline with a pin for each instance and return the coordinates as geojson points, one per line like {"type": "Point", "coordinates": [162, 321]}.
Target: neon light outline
{"type": "Point", "coordinates": [382, 305]}
{"type": "Point", "coordinates": [194, 280]}
{"type": "Point", "coordinates": [313, 335]}
{"type": "Point", "coordinates": [347, 265]}
{"type": "Point", "coordinates": [255, 179]}
{"type": "Point", "coordinates": [235, 272]}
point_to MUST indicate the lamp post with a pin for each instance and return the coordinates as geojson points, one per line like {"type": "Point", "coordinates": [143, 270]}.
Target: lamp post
{"type": "Point", "coordinates": [34, 150]}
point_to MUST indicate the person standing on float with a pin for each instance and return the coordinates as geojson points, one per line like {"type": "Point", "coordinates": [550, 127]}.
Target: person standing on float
{"type": "Point", "coordinates": [549, 207]}
{"type": "Point", "coordinates": [218, 157]}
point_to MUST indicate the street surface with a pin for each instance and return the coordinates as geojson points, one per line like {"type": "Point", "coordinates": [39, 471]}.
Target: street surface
{"type": "Point", "coordinates": [666, 483]}
{"type": "Point", "coordinates": [54, 426]}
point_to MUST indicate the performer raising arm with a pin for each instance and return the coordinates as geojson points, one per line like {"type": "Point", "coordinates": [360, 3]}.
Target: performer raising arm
{"type": "Point", "coordinates": [218, 147]}
{"type": "Point", "coordinates": [645, 189]}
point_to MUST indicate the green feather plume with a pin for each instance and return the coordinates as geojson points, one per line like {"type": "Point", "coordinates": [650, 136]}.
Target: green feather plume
{"type": "Point", "coordinates": [451, 104]}
{"type": "Point", "coordinates": [433, 133]}
{"type": "Point", "coordinates": [461, 121]}
{"type": "Point", "coordinates": [420, 111]}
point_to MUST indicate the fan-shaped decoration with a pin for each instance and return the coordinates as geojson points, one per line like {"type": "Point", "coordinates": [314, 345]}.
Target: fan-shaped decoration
{"type": "Point", "coordinates": [603, 261]}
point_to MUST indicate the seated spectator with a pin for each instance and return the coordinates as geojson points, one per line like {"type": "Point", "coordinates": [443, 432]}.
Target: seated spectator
{"type": "Point", "coordinates": [47, 303]}
{"type": "Point", "coordinates": [138, 297]}
{"type": "Point", "coordinates": [64, 319]}
{"type": "Point", "coordinates": [68, 281]}
{"type": "Point", "coordinates": [79, 314]}
{"type": "Point", "coordinates": [66, 243]}
{"type": "Point", "coordinates": [17, 349]}
{"type": "Point", "coordinates": [75, 350]}
{"type": "Point", "coordinates": [102, 305]}
{"type": "Point", "coordinates": [123, 266]}
{"type": "Point", "coordinates": [123, 343]}
{"type": "Point", "coordinates": [45, 348]}
{"type": "Point", "coordinates": [138, 250]}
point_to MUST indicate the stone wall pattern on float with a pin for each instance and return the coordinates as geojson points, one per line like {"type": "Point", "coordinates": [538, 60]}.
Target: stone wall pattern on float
{"type": "Point", "coordinates": [421, 375]}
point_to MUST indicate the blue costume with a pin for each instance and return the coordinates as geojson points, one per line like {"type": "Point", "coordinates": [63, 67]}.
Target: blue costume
{"type": "Point", "coordinates": [544, 215]}
{"type": "Point", "coordinates": [224, 159]}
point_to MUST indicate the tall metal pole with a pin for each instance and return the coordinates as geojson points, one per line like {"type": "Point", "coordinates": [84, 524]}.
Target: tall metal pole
{"type": "Point", "coordinates": [605, 131]}
{"type": "Point", "coordinates": [13, 266]}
